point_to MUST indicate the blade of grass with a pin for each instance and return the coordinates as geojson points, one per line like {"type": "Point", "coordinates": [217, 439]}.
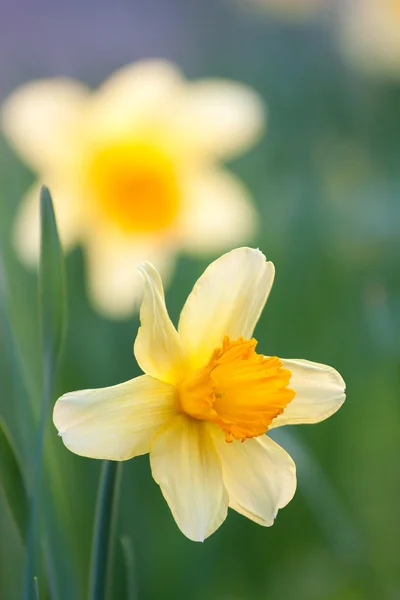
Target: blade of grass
{"type": "Point", "coordinates": [51, 286]}
{"type": "Point", "coordinates": [104, 530]}
{"type": "Point", "coordinates": [12, 481]}
{"type": "Point", "coordinates": [52, 320]}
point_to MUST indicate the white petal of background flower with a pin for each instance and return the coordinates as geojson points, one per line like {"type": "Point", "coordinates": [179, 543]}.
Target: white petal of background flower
{"type": "Point", "coordinates": [259, 475]}
{"type": "Point", "coordinates": [39, 119]}
{"type": "Point", "coordinates": [226, 300]}
{"type": "Point", "coordinates": [114, 284]}
{"type": "Point", "coordinates": [221, 117]}
{"type": "Point", "coordinates": [320, 392]}
{"type": "Point", "coordinates": [114, 423]}
{"type": "Point", "coordinates": [218, 212]}
{"type": "Point", "coordinates": [185, 464]}
{"type": "Point", "coordinates": [137, 96]}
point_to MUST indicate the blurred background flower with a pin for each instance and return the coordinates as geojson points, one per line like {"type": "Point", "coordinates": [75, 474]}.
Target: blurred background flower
{"type": "Point", "coordinates": [369, 35]}
{"type": "Point", "coordinates": [325, 182]}
{"type": "Point", "coordinates": [133, 169]}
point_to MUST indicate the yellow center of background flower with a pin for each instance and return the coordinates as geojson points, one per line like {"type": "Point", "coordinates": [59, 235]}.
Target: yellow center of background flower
{"type": "Point", "coordinates": [135, 185]}
{"type": "Point", "coordinates": [238, 389]}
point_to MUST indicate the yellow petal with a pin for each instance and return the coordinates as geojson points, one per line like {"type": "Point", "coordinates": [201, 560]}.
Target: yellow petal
{"type": "Point", "coordinates": [40, 120]}
{"type": "Point", "coordinates": [157, 346]}
{"type": "Point", "coordinates": [259, 475]}
{"type": "Point", "coordinates": [186, 466]}
{"type": "Point", "coordinates": [219, 213]}
{"type": "Point", "coordinates": [26, 234]}
{"type": "Point", "coordinates": [320, 392]}
{"type": "Point", "coordinates": [227, 300]}
{"type": "Point", "coordinates": [115, 286]}
{"type": "Point", "coordinates": [221, 118]}
{"type": "Point", "coordinates": [117, 422]}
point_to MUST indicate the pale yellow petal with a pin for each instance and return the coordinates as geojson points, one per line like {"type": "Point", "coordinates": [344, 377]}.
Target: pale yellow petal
{"type": "Point", "coordinates": [226, 300]}
{"type": "Point", "coordinates": [221, 118]}
{"type": "Point", "coordinates": [219, 213]}
{"type": "Point", "coordinates": [115, 286]}
{"type": "Point", "coordinates": [41, 118]}
{"type": "Point", "coordinates": [320, 392]}
{"type": "Point", "coordinates": [114, 423]}
{"type": "Point", "coordinates": [157, 346]}
{"type": "Point", "coordinates": [185, 464]}
{"type": "Point", "coordinates": [26, 234]}
{"type": "Point", "coordinates": [136, 97]}
{"type": "Point", "coordinates": [259, 475]}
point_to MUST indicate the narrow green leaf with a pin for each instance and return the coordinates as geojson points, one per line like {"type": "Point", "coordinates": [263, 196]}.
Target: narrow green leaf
{"type": "Point", "coordinates": [51, 281]}
{"type": "Point", "coordinates": [56, 543]}
{"type": "Point", "coordinates": [52, 319]}
{"type": "Point", "coordinates": [12, 482]}
{"type": "Point", "coordinates": [24, 395]}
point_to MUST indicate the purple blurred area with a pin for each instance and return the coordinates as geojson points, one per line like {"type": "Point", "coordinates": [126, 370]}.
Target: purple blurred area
{"type": "Point", "coordinates": [89, 39]}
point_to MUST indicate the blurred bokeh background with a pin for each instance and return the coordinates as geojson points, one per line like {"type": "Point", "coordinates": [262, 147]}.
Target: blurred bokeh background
{"type": "Point", "coordinates": [325, 180]}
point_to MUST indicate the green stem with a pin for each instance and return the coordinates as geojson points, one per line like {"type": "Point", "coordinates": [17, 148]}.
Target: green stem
{"type": "Point", "coordinates": [129, 567]}
{"type": "Point", "coordinates": [36, 587]}
{"type": "Point", "coordinates": [104, 530]}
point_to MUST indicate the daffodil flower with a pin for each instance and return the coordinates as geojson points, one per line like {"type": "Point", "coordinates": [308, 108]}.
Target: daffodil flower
{"type": "Point", "coordinates": [134, 169]}
{"type": "Point", "coordinates": [206, 400]}
{"type": "Point", "coordinates": [369, 35]}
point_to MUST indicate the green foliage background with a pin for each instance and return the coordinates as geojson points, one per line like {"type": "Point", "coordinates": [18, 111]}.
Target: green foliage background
{"type": "Point", "coordinates": [326, 181]}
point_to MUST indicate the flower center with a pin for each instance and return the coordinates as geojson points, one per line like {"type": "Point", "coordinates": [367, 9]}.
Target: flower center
{"type": "Point", "coordinates": [238, 389]}
{"type": "Point", "coordinates": [135, 185]}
